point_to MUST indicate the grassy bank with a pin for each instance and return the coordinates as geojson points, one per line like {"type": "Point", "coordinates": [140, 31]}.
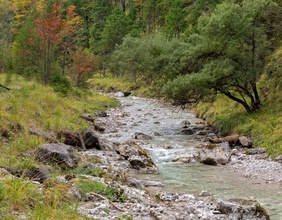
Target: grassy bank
{"type": "Point", "coordinates": [265, 126]}
{"type": "Point", "coordinates": [28, 105]}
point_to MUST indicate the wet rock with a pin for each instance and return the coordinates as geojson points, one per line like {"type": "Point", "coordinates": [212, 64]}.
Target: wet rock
{"type": "Point", "coordinates": [185, 124]}
{"type": "Point", "coordinates": [245, 141]}
{"type": "Point", "coordinates": [213, 154]}
{"type": "Point", "coordinates": [188, 131]}
{"type": "Point", "coordinates": [91, 140]}
{"type": "Point", "coordinates": [60, 154]}
{"type": "Point", "coordinates": [187, 159]}
{"type": "Point", "coordinates": [243, 209]}
{"type": "Point", "coordinates": [142, 136]}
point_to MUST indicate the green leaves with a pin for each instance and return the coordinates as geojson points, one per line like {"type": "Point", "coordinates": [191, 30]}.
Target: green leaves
{"type": "Point", "coordinates": [226, 55]}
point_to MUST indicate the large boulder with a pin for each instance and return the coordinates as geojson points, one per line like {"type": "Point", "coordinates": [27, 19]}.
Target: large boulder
{"type": "Point", "coordinates": [91, 140]}
{"type": "Point", "coordinates": [213, 154]}
{"type": "Point", "coordinates": [60, 154]}
{"type": "Point", "coordinates": [242, 209]}
{"type": "Point", "coordinates": [138, 157]}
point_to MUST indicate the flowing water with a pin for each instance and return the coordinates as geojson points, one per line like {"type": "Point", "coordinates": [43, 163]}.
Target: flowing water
{"type": "Point", "coordinates": [163, 124]}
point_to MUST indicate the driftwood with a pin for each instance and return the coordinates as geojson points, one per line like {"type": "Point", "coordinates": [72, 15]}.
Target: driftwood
{"type": "Point", "coordinates": [102, 197]}
{"type": "Point", "coordinates": [44, 135]}
{"type": "Point", "coordinates": [81, 141]}
{"type": "Point", "coordinates": [4, 87]}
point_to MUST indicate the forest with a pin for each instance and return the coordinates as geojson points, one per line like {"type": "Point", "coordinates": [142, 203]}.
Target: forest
{"type": "Point", "coordinates": [189, 50]}
{"type": "Point", "coordinates": [221, 59]}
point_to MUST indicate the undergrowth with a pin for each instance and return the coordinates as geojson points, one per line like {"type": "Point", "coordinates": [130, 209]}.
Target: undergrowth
{"type": "Point", "coordinates": [29, 105]}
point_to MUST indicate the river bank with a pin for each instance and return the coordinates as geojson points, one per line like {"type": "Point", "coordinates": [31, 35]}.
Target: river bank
{"type": "Point", "coordinates": [160, 126]}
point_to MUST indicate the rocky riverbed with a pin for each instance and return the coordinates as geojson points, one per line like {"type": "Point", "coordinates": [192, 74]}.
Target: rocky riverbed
{"type": "Point", "coordinates": [147, 160]}
{"type": "Point", "coordinates": [133, 125]}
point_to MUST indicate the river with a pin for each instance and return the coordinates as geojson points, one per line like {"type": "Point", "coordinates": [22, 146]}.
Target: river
{"type": "Point", "coordinates": [163, 123]}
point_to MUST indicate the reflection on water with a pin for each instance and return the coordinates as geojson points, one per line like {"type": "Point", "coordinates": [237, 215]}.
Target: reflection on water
{"type": "Point", "coordinates": [150, 117]}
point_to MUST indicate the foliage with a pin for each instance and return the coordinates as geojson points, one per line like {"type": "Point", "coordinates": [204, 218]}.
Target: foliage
{"type": "Point", "coordinates": [84, 64]}
{"type": "Point", "coordinates": [149, 60]}
{"type": "Point", "coordinates": [232, 60]}
{"type": "Point", "coordinates": [175, 22]}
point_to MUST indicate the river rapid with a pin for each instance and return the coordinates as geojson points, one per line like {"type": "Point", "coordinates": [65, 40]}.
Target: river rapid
{"type": "Point", "coordinates": [163, 123]}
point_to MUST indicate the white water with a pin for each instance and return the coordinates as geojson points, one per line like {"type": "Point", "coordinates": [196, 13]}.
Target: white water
{"type": "Point", "coordinates": [151, 118]}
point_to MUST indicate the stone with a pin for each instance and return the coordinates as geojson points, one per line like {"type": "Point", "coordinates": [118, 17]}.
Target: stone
{"type": "Point", "coordinates": [185, 124]}
{"type": "Point", "coordinates": [188, 131]}
{"type": "Point", "coordinates": [137, 162]}
{"type": "Point", "coordinates": [101, 114]}
{"type": "Point", "coordinates": [126, 94]}
{"type": "Point", "coordinates": [68, 138]}
{"type": "Point", "coordinates": [134, 182]}
{"type": "Point", "coordinates": [245, 141]}
{"type": "Point", "coordinates": [119, 94]}
{"type": "Point", "coordinates": [255, 151]}
{"type": "Point", "coordinates": [91, 140]}
{"type": "Point", "coordinates": [74, 193]}
{"type": "Point", "coordinates": [142, 136]}
{"type": "Point", "coordinates": [213, 154]}
{"type": "Point", "coordinates": [242, 209]}
{"type": "Point", "coordinates": [232, 139]}
{"type": "Point", "coordinates": [60, 154]}
{"type": "Point", "coordinates": [137, 156]}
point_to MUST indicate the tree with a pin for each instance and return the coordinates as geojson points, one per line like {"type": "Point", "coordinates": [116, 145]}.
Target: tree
{"type": "Point", "coordinates": [175, 19]}
{"type": "Point", "coordinates": [151, 60]}
{"type": "Point", "coordinates": [6, 15]}
{"type": "Point", "coordinates": [53, 33]}
{"type": "Point", "coordinates": [232, 46]}
{"type": "Point", "coordinates": [83, 66]}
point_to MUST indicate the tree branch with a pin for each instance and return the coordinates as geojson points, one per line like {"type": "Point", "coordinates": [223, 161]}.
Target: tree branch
{"type": "Point", "coordinates": [4, 87]}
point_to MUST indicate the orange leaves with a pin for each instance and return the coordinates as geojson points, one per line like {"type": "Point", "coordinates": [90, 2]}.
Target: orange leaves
{"type": "Point", "coordinates": [84, 65]}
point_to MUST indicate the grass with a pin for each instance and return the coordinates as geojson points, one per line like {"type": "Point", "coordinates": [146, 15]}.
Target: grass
{"type": "Point", "coordinates": [114, 84]}
{"type": "Point", "coordinates": [31, 105]}
{"type": "Point", "coordinates": [265, 126]}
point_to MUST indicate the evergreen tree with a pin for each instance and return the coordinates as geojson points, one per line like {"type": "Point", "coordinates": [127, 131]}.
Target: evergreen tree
{"type": "Point", "coordinates": [231, 45]}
